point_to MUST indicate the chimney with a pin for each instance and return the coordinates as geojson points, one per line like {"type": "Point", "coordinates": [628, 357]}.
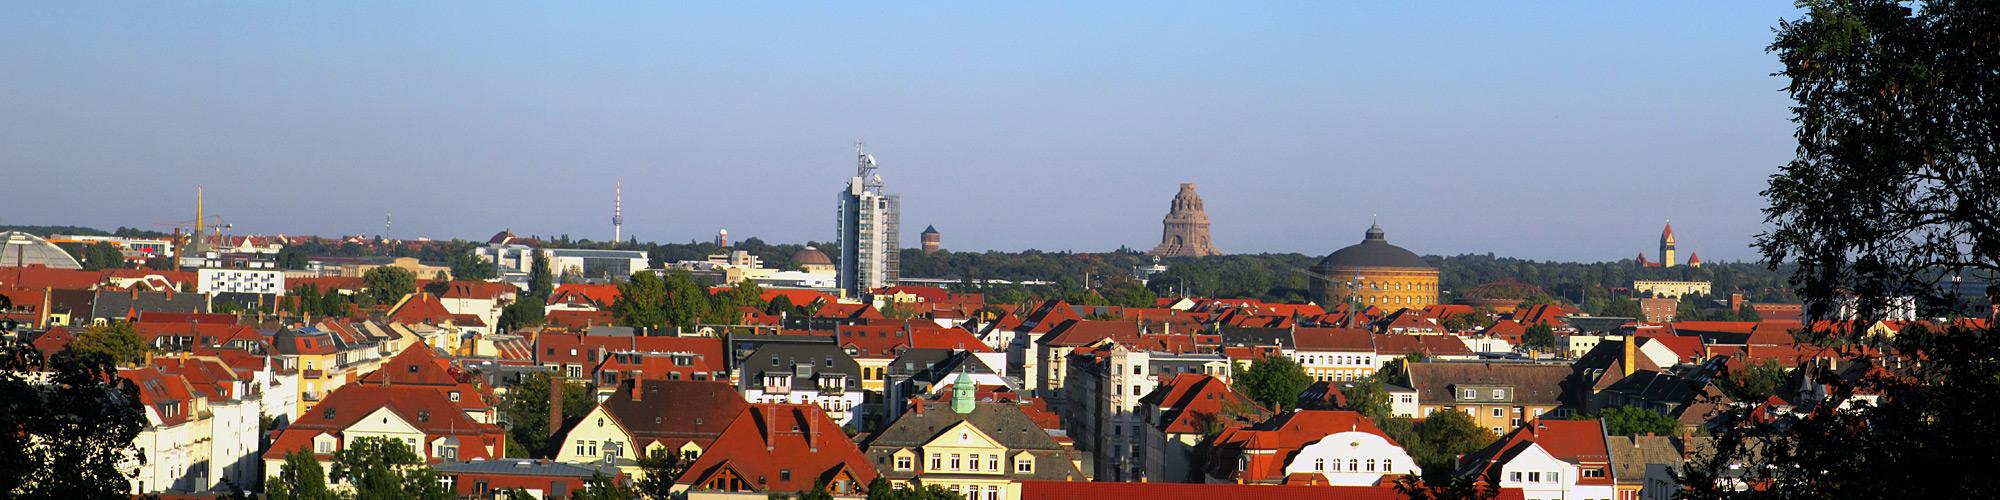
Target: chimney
{"type": "Point", "coordinates": [770, 426]}
{"type": "Point", "coordinates": [635, 388]}
{"type": "Point", "coordinates": [555, 402]}
{"type": "Point", "coordinates": [812, 439]}
{"type": "Point", "coordinates": [1631, 353]}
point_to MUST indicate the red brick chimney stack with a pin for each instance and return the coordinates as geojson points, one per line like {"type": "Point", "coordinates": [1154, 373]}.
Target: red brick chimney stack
{"type": "Point", "coordinates": [555, 402]}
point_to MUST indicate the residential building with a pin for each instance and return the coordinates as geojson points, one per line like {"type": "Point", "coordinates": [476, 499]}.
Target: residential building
{"type": "Point", "coordinates": [1104, 386]}
{"type": "Point", "coordinates": [1183, 411]}
{"type": "Point", "coordinates": [1339, 448]}
{"type": "Point", "coordinates": [798, 373]}
{"type": "Point", "coordinates": [202, 426]}
{"type": "Point", "coordinates": [423, 417]}
{"type": "Point", "coordinates": [869, 231]}
{"type": "Point", "coordinates": [978, 449]}
{"type": "Point", "coordinates": [1550, 460]}
{"type": "Point", "coordinates": [781, 448]}
{"type": "Point", "coordinates": [1334, 354]}
{"type": "Point", "coordinates": [258, 281]}
{"type": "Point", "coordinates": [1671, 289]}
{"type": "Point", "coordinates": [679, 417]}
{"type": "Point", "coordinates": [539, 478]}
{"type": "Point", "coordinates": [1498, 395]}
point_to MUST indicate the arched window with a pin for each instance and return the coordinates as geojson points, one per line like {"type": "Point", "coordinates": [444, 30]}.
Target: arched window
{"type": "Point", "coordinates": [1353, 465]}
{"type": "Point", "coordinates": [1371, 465]}
{"type": "Point", "coordinates": [1319, 464]}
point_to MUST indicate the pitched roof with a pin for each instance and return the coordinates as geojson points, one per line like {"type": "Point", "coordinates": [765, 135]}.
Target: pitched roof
{"type": "Point", "coordinates": [1534, 384]}
{"type": "Point", "coordinates": [595, 295]}
{"type": "Point", "coordinates": [1579, 442]}
{"type": "Point", "coordinates": [1189, 401]}
{"type": "Point", "coordinates": [1427, 345]}
{"type": "Point", "coordinates": [674, 412]}
{"type": "Point", "coordinates": [1006, 423]}
{"type": "Point", "coordinates": [416, 365]}
{"type": "Point", "coordinates": [1334, 339]}
{"type": "Point", "coordinates": [766, 439]}
{"type": "Point", "coordinates": [1268, 446]}
{"type": "Point", "coordinates": [427, 408]}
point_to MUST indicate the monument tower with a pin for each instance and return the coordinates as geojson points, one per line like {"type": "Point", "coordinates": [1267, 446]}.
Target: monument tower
{"type": "Point", "coordinates": [1186, 233]}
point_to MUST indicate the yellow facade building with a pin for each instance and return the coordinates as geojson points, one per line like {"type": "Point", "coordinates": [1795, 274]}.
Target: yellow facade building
{"type": "Point", "coordinates": [1375, 273]}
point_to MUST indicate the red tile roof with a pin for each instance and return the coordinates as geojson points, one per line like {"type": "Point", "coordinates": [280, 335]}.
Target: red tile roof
{"type": "Point", "coordinates": [420, 308]}
{"type": "Point", "coordinates": [769, 438]}
{"type": "Point", "coordinates": [429, 409]}
{"type": "Point", "coordinates": [1578, 442]}
{"type": "Point", "coordinates": [1190, 401]}
{"type": "Point", "coordinates": [1333, 339]}
{"type": "Point", "coordinates": [1270, 445]}
{"type": "Point", "coordinates": [585, 294]}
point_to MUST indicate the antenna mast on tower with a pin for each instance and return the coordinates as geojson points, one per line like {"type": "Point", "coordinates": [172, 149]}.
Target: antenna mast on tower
{"type": "Point", "coordinates": [618, 212]}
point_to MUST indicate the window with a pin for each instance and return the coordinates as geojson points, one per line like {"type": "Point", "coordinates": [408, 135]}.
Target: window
{"type": "Point", "coordinates": [1499, 412]}
{"type": "Point", "coordinates": [992, 492]}
{"type": "Point", "coordinates": [1499, 394]}
{"type": "Point", "coordinates": [1555, 477]}
{"type": "Point", "coordinates": [993, 463]}
{"type": "Point", "coordinates": [479, 487]}
{"type": "Point", "coordinates": [1135, 389]}
{"type": "Point", "coordinates": [586, 448]}
{"type": "Point", "coordinates": [1024, 465]}
{"type": "Point", "coordinates": [1514, 476]}
{"type": "Point", "coordinates": [955, 462]}
{"type": "Point", "coordinates": [1469, 394]}
{"type": "Point", "coordinates": [327, 414]}
{"type": "Point", "coordinates": [937, 462]}
{"type": "Point", "coordinates": [1538, 412]}
{"type": "Point", "coordinates": [1353, 465]}
{"type": "Point", "coordinates": [324, 447]}
{"type": "Point", "coordinates": [1136, 368]}
{"type": "Point", "coordinates": [1371, 465]}
{"type": "Point", "coordinates": [784, 474]}
{"type": "Point", "coordinates": [1593, 472]}
{"type": "Point", "coordinates": [1534, 477]}
{"type": "Point", "coordinates": [903, 463]}
{"type": "Point", "coordinates": [1406, 398]}
{"type": "Point", "coordinates": [423, 415]}
{"type": "Point", "coordinates": [1319, 464]}
{"type": "Point", "coordinates": [1388, 465]}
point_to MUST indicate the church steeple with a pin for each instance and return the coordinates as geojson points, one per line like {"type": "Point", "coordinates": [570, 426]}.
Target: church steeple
{"type": "Point", "coordinates": [1667, 246]}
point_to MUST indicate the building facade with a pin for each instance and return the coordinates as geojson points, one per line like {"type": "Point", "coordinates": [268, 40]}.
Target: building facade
{"type": "Point", "coordinates": [868, 231]}
{"type": "Point", "coordinates": [1374, 273]}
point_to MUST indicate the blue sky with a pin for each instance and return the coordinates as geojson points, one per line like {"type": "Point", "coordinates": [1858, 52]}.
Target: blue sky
{"type": "Point", "coordinates": [1571, 131]}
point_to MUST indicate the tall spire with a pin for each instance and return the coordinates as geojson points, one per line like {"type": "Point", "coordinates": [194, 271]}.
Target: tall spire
{"type": "Point", "coordinates": [618, 212]}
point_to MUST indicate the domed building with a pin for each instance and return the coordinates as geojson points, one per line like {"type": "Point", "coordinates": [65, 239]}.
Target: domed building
{"type": "Point", "coordinates": [813, 260]}
{"type": "Point", "coordinates": [18, 249]}
{"type": "Point", "coordinates": [1375, 273]}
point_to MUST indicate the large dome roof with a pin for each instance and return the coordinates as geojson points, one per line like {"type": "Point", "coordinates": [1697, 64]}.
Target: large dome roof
{"type": "Point", "coordinates": [23, 249]}
{"type": "Point", "coordinates": [1373, 251]}
{"type": "Point", "coordinates": [810, 255]}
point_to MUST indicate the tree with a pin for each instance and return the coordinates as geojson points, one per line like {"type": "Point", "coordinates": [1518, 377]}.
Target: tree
{"type": "Point", "coordinates": [1367, 397]}
{"type": "Point", "coordinates": [467, 266]}
{"type": "Point", "coordinates": [1891, 195]}
{"type": "Point", "coordinates": [541, 282]}
{"type": "Point", "coordinates": [1451, 433]}
{"type": "Point", "coordinates": [292, 257]}
{"type": "Point", "coordinates": [300, 478]}
{"type": "Point", "coordinates": [686, 301]}
{"type": "Point", "coordinates": [526, 408]}
{"type": "Point", "coordinates": [1634, 421]}
{"type": "Point", "coordinates": [600, 487]}
{"type": "Point", "coordinates": [746, 293]}
{"type": "Point", "coordinates": [1754, 381]}
{"type": "Point", "coordinates": [1747, 313]}
{"type": "Point", "coordinates": [389, 284]}
{"type": "Point", "coordinates": [66, 436]}
{"type": "Point", "coordinates": [782, 304]}
{"type": "Point", "coordinates": [1539, 299]}
{"type": "Point", "coordinates": [1620, 307]}
{"type": "Point", "coordinates": [116, 340]}
{"type": "Point", "coordinates": [659, 470]}
{"type": "Point", "coordinates": [1273, 381]}
{"type": "Point", "coordinates": [1539, 336]}
{"type": "Point", "coordinates": [879, 489]}
{"type": "Point", "coordinates": [103, 255]}
{"type": "Point", "coordinates": [386, 469]}
{"type": "Point", "coordinates": [524, 312]}
{"type": "Point", "coordinates": [640, 301]}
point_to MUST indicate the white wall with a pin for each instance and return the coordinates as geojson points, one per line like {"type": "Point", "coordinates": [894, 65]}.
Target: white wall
{"type": "Point", "coordinates": [1333, 454]}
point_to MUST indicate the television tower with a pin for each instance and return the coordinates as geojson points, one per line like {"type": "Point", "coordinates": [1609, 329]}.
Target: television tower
{"type": "Point", "coordinates": [618, 212]}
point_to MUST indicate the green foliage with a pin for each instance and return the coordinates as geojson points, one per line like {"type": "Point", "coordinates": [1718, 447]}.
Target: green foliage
{"type": "Point", "coordinates": [378, 468]}
{"type": "Point", "coordinates": [526, 409]}
{"type": "Point", "coordinates": [293, 258]}
{"type": "Point", "coordinates": [103, 255]}
{"type": "Point", "coordinates": [524, 312]}
{"type": "Point", "coordinates": [781, 304]}
{"type": "Point", "coordinates": [1754, 381]}
{"type": "Point", "coordinates": [541, 282]}
{"type": "Point", "coordinates": [467, 266]}
{"type": "Point", "coordinates": [879, 489]}
{"type": "Point", "coordinates": [1539, 336]}
{"type": "Point", "coordinates": [640, 301]}
{"type": "Point", "coordinates": [1367, 397]}
{"type": "Point", "coordinates": [1620, 307]}
{"type": "Point", "coordinates": [1891, 194]}
{"type": "Point", "coordinates": [816, 492]}
{"type": "Point", "coordinates": [389, 284]}
{"type": "Point", "coordinates": [1463, 322]}
{"type": "Point", "coordinates": [657, 472]}
{"type": "Point", "coordinates": [600, 487]}
{"type": "Point", "coordinates": [686, 301]}
{"type": "Point", "coordinates": [116, 340]}
{"type": "Point", "coordinates": [746, 293]}
{"type": "Point", "coordinates": [1451, 433]}
{"type": "Point", "coordinates": [300, 478]}
{"type": "Point", "coordinates": [1634, 421]}
{"type": "Point", "coordinates": [1274, 381]}
{"type": "Point", "coordinates": [1539, 299]}
{"type": "Point", "coordinates": [67, 436]}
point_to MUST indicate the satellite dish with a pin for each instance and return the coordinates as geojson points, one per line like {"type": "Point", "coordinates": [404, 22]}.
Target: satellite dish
{"type": "Point", "coordinates": [878, 178]}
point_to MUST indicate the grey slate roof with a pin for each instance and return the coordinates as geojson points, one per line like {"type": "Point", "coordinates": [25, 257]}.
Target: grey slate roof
{"type": "Point", "coordinates": [823, 358]}
{"type": "Point", "coordinates": [1003, 421]}
{"type": "Point", "coordinates": [1533, 384]}
{"type": "Point", "coordinates": [115, 304]}
{"type": "Point", "coordinates": [525, 467]}
{"type": "Point", "coordinates": [1373, 251]}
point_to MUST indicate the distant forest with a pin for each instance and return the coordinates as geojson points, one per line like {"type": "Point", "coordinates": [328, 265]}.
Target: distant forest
{"type": "Point", "coordinates": [1108, 277]}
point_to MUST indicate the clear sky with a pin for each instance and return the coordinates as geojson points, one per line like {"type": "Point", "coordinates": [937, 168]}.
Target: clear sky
{"type": "Point", "coordinates": [1546, 130]}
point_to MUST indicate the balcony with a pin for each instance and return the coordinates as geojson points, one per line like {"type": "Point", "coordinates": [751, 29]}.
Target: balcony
{"type": "Point", "coordinates": [310, 396]}
{"type": "Point", "coordinates": [315, 374]}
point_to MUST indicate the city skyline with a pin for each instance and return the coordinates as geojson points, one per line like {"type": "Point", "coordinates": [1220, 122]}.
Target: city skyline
{"type": "Point", "coordinates": [1054, 128]}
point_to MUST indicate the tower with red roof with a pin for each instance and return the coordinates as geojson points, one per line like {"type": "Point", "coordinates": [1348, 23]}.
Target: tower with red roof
{"type": "Point", "coordinates": [1667, 246]}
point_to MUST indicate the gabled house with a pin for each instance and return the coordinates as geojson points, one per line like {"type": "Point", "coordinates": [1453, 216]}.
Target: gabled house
{"type": "Point", "coordinates": [1183, 411]}
{"type": "Point", "coordinates": [979, 449]}
{"type": "Point", "coordinates": [1498, 395]}
{"type": "Point", "coordinates": [423, 417]}
{"type": "Point", "coordinates": [819, 374]}
{"type": "Point", "coordinates": [1549, 459]}
{"type": "Point", "coordinates": [1340, 448]}
{"type": "Point", "coordinates": [781, 448]}
{"type": "Point", "coordinates": [644, 416]}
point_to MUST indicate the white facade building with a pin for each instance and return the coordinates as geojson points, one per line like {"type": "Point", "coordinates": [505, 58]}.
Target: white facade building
{"type": "Point", "coordinates": [265, 281]}
{"type": "Point", "coordinates": [1353, 458]}
{"type": "Point", "coordinates": [869, 231]}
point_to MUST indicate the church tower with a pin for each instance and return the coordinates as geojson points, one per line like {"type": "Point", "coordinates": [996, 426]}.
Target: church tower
{"type": "Point", "coordinates": [1667, 246]}
{"type": "Point", "coordinates": [1186, 232]}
